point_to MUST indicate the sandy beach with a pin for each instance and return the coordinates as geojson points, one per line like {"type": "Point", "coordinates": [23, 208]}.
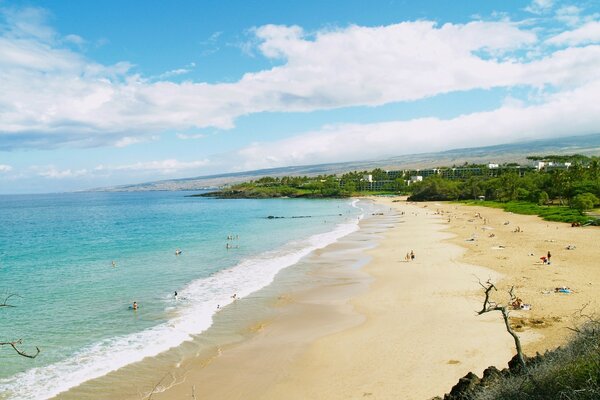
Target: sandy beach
{"type": "Point", "coordinates": [411, 334]}
{"type": "Point", "coordinates": [382, 327]}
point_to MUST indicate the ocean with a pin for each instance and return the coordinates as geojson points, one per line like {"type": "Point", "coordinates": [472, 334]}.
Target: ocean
{"type": "Point", "coordinates": [57, 253]}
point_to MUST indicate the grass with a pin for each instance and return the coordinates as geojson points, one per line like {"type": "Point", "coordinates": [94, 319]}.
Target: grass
{"type": "Point", "coordinates": [571, 372]}
{"type": "Point", "coordinates": [549, 213]}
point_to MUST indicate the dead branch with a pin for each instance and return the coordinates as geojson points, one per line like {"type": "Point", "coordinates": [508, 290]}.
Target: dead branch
{"type": "Point", "coordinates": [5, 302]}
{"type": "Point", "coordinates": [14, 344]}
{"type": "Point", "coordinates": [489, 306]}
{"type": "Point", "coordinates": [486, 302]}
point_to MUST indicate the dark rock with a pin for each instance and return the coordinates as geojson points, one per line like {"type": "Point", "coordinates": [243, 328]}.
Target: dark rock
{"type": "Point", "coordinates": [514, 365]}
{"type": "Point", "coordinates": [490, 374]}
{"type": "Point", "coordinates": [465, 385]}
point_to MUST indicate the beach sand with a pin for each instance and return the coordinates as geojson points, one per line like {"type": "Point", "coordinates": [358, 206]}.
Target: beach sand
{"type": "Point", "coordinates": [394, 329]}
{"type": "Point", "coordinates": [411, 335]}
{"type": "Point", "coordinates": [517, 256]}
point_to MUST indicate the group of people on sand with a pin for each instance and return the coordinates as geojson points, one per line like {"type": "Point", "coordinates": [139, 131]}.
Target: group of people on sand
{"type": "Point", "coordinates": [409, 256]}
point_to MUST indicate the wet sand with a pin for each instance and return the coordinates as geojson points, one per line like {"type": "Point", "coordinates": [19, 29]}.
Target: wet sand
{"type": "Point", "coordinates": [411, 334]}
{"type": "Point", "coordinates": [390, 329]}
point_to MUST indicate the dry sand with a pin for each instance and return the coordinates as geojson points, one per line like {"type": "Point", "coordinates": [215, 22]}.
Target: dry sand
{"type": "Point", "coordinates": [516, 255]}
{"type": "Point", "coordinates": [415, 330]}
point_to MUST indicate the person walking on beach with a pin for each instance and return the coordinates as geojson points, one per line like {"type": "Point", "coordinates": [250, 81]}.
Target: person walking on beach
{"type": "Point", "coordinates": [548, 257]}
{"type": "Point", "coordinates": [407, 257]}
{"type": "Point", "coordinates": [412, 255]}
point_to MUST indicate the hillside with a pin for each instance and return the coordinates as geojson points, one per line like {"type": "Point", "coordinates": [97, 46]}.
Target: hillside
{"type": "Point", "coordinates": [511, 152]}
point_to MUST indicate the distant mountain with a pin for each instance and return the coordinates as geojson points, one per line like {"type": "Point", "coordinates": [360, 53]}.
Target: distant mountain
{"type": "Point", "coordinates": [511, 152]}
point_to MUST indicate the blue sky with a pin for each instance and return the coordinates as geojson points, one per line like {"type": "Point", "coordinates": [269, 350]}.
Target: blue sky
{"type": "Point", "coordinates": [106, 93]}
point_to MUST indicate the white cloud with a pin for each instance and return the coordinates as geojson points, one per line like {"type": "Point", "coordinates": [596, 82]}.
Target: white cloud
{"type": "Point", "coordinates": [50, 171]}
{"type": "Point", "coordinates": [574, 112]}
{"type": "Point", "coordinates": [129, 140]}
{"type": "Point", "coordinates": [5, 168]}
{"type": "Point", "coordinates": [185, 136]}
{"type": "Point", "coordinates": [587, 33]}
{"type": "Point", "coordinates": [75, 39]}
{"type": "Point", "coordinates": [569, 15]}
{"type": "Point", "coordinates": [54, 96]}
{"type": "Point", "coordinates": [163, 166]}
{"type": "Point", "coordinates": [539, 6]}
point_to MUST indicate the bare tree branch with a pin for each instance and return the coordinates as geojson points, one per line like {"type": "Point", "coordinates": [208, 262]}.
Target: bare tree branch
{"type": "Point", "coordinates": [5, 302]}
{"type": "Point", "coordinates": [14, 344]}
{"type": "Point", "coordinates": [489, 306]}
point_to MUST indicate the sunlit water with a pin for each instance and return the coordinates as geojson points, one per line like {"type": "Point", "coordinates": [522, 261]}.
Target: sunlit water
{"type": "Point", "coordinates": [57, 253]}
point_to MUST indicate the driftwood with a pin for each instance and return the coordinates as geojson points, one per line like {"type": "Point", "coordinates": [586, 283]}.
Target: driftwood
{"type": "Point", "coordinates": [17, 342]}
{"type": "Point", "coordinates": [14, 344]}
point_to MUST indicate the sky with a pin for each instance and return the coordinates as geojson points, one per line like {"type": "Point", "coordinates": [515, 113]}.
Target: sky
{"type": "Point", "coordinates": [96, 94]}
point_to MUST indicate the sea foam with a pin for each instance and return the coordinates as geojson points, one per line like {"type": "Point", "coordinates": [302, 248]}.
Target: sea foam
{"type": "Point", "coordinates": [194, 316]}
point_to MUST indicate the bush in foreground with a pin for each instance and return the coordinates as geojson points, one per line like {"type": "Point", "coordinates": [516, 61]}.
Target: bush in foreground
{"type": "Point", "coordinates": [571, 372]}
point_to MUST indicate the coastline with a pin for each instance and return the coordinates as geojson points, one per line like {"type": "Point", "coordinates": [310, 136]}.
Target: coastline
{"type": "Point", "coordinates": [237, 322]}
{"type": "Point", "coordinates": [410, 334]}
{"type": "Point", "coordinates": [390, 329]}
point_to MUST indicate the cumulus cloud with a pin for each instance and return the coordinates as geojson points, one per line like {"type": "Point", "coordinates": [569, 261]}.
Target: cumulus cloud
{"type": "Point", "coordinates": [512, 122]}
{"type": "Point", "coordinates": [587, 33]}
{"type": "Point", "coordinates": [5, 168]}
{"type": "Point", "coordinates": [53, 95]}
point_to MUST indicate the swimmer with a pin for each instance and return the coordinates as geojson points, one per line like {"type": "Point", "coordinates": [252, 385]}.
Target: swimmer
{"type": "Point", "coordinates": [134, 306]}
{"type": "Point", "coordinates": [175, 295]}
{"type": "Point", "coordinates": [234, 296]}
{"type": "Point", "coordinates": [178, 252]}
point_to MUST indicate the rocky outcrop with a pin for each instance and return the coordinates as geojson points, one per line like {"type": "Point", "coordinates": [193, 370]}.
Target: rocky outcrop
{"type": "Point", "coordinates": [469, 384]}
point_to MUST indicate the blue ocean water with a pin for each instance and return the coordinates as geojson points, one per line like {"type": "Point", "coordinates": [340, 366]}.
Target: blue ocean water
{"type": "Point", "coordinates": [57, 253]}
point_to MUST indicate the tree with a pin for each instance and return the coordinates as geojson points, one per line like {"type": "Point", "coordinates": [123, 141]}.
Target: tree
{"type": "Point", "coordinates": [18, 342]}
{"type": "Point", "coordinates": [489, 306]}
{"type": "Point", "coordinates": [543, 198]}
{"type": "Point", "coordinates": [584, 201]}
{"type": "Point", "coordinates": [509, 185]}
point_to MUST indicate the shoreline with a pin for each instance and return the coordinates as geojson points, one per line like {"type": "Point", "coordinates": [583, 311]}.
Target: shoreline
{"type": "Point", "coordinates": [402, 313]}
{"type": "Point", "coordinates": [235, 323]}
{"type": "Point", "coordinates": [389, 329]}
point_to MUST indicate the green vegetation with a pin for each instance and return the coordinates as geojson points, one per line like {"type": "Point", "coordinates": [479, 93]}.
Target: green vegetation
{"type": "Point", "coordinates": [322, 186]}
{"type": "Point", "coordinates": [569, 372]}
{"type": "Point", "coordinates": [558, 192]}
{"type": "Point", "coordinates": [549, 213]}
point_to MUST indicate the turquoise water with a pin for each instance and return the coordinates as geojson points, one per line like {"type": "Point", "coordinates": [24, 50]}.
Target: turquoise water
{"type": "Point", "coordinates": [56, 253]}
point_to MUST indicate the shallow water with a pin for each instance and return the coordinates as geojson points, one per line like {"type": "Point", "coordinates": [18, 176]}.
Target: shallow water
{"type": "Point", "coordinates": [56, 251]}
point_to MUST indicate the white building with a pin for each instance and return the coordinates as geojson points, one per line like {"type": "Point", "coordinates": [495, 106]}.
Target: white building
{"type": "Point", "coordinates": [415, 178]}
